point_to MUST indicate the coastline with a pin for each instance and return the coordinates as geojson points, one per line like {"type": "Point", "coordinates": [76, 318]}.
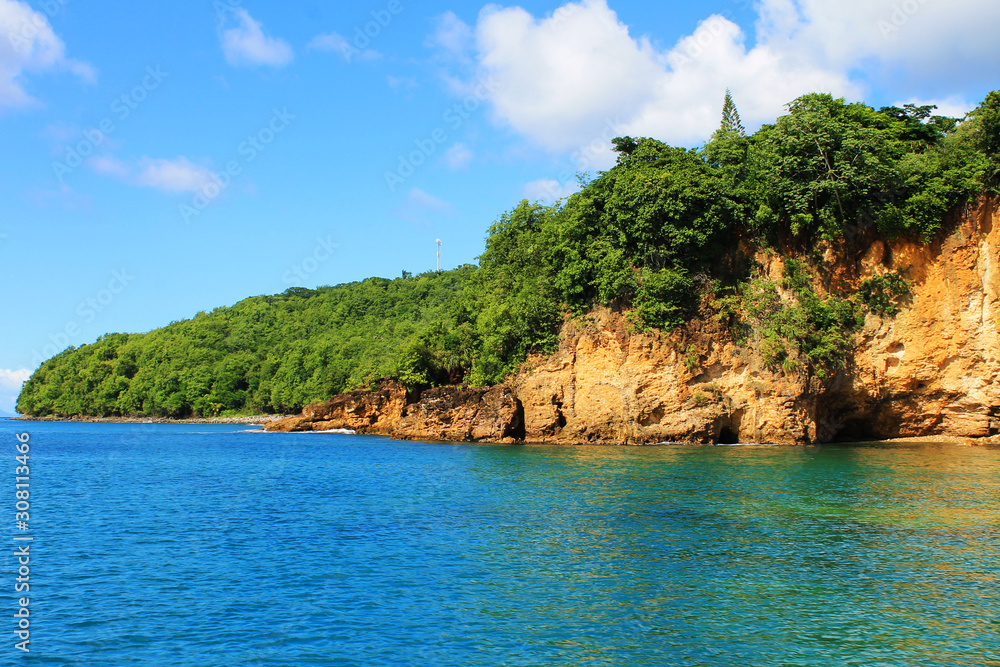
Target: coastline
{"type": "Point", "coordinates": [264, 420]}
{"type": "Point", "coordinates": [258, 420]}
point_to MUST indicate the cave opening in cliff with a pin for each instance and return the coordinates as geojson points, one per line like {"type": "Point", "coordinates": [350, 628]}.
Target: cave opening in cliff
{"type": "Point", "coordinates": [727, 437]}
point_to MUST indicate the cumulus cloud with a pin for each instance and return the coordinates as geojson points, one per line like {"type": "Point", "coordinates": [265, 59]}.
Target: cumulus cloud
{"type": "Point", "coordinates": [458, 156]}
{"type": "Point", "coordinates": [563, 80]}
{"type": "Point", "coordinates": [549, 190]}
{"type": "Point", "coordinates": [927, 37]}
{"type": "Point", "coordinates": [246, 44]}
{"type": "Point", "coordinates": [10, 387]}
{"type": "Point", "coordinates": [12, 380]}
{"type": "Point", "coordinates": [177, 175]}
{"type": "Point", "coordinates": [29, 45]}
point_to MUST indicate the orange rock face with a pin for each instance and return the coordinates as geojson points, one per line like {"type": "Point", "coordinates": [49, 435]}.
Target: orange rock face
{"type": "Point", "coordinates": [362, 411]}
{"type": "Point", "coordinates": [930, 370]}
{"type": "Point", "coordinates": [442, 413]}
{"type": "Point", "coordinates": [933, 369]}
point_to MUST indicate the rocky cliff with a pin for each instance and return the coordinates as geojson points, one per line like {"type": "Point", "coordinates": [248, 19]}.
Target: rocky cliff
{"type": "Point", "coordinates": [441, 413]}
{"type": "Point", "coordinates": [930, 370]}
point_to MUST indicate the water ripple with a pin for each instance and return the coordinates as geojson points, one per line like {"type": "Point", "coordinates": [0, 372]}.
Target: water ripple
{"type": "Point", "coordinates": [171, 545]}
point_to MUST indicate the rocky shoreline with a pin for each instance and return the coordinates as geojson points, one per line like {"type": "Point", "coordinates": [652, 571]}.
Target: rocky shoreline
{"type": "Point", "coordinates": [484, 415]}
{"type": "Point", "coordinates": [925, 374]}
{"type": "Point", "coordinates": [446, 414]}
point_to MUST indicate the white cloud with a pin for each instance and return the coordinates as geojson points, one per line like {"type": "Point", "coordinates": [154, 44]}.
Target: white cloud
{"type": "Point", "coordinates": [398, 83]}
{"type": "Point", "coordinates": [549, 190]}
{"type": "Point", "coordinates": [686, 100]}
{"type": "Point", "coordinates": [458, 156]}
{"type": "Point", "coordinates": [110, 166]}
{"type": "Point", "coordinates": [563, 80]}
{"type": "Point", "coordinates": [177, 175]}
{"type": "Point", "coordinates": [926, 36]}
{"type": "Point", "coordinates": [246, 43]}
{"type": "Point", "coordinates": [340, 44]}
{"type": "Point", "coordinates": [12, 380]}
{"type": "Point", "coordinates": [29, 44]}
{"type": "Point", "coordinates": [420, 209]}
{"type": "Point", "coordinates": [420, 199]}
{"type": "Point", "coordinates": [10, 387]}
{"type": "Point", "coordinates": [451, 34]}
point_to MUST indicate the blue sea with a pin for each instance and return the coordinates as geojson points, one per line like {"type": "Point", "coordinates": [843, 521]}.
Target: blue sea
{"type": "Point", "coordinates": [214, 546]}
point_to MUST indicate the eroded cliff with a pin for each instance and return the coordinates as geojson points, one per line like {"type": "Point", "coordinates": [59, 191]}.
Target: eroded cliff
{"type": "Point", "coordinates": [929, 370]}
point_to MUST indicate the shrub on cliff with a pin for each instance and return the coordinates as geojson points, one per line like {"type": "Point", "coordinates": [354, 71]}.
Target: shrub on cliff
{"type": "Point", "coordinates": [800, 333]}
{"type": "Point", "coordinates": [883, 294]}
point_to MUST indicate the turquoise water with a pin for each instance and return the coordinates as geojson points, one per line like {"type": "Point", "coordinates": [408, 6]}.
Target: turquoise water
{"type": "Point", "coordinates": [205, 545]}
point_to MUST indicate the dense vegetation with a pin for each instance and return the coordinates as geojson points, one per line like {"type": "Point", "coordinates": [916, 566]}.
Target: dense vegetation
{"type": "Point", "coordinates": [265, 354]}
{"type": "Point", "coordinates": [666, 234]}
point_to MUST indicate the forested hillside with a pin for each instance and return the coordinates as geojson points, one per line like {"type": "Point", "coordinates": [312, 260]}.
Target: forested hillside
{"type": "Point", "coordinates": [667, 234]}
{"type": "Point", "coordinates": [265, 354]}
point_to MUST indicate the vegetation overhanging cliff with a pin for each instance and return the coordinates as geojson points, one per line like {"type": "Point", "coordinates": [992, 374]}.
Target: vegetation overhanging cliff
{"type": "Point", "coordinates": [691, 288]}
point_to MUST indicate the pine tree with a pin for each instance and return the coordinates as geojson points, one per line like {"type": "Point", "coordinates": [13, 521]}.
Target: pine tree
{"type": "Point", "coordinates": [728, 145]}
{"type": "Point", "coordinates": [731, 117]}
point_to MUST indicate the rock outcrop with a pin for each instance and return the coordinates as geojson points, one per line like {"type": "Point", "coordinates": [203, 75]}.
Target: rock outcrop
{"type": "Point", "coordinates": [930, 370]}
{"type": "Point", "coordinates": [442, 413]}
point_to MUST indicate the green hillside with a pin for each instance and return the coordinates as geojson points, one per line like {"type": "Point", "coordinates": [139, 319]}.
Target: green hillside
{"type": "Point", "coordinates": [265, 354]}
{"type": "Point", "coordinates": [665, 234]}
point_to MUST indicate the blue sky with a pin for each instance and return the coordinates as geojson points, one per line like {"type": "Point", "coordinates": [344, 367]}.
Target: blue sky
{"type": "Point", "coordinates": [162, 159]}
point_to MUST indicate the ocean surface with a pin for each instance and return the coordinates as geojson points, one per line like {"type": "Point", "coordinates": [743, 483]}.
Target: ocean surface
{"type": "Point", "coordinates": [209, 545]}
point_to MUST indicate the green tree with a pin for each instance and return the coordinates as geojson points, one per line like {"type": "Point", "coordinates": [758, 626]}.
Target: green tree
{"type": "Point", "coordinates": [731, 124]}
{"type": "Point", "coordinates": [826, 161]}
{"type": "Point", "coordinates": [986, 124]}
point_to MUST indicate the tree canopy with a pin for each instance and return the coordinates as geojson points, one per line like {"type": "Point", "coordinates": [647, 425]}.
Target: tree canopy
{"type": "Point", "coordinates": [657, 235]}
